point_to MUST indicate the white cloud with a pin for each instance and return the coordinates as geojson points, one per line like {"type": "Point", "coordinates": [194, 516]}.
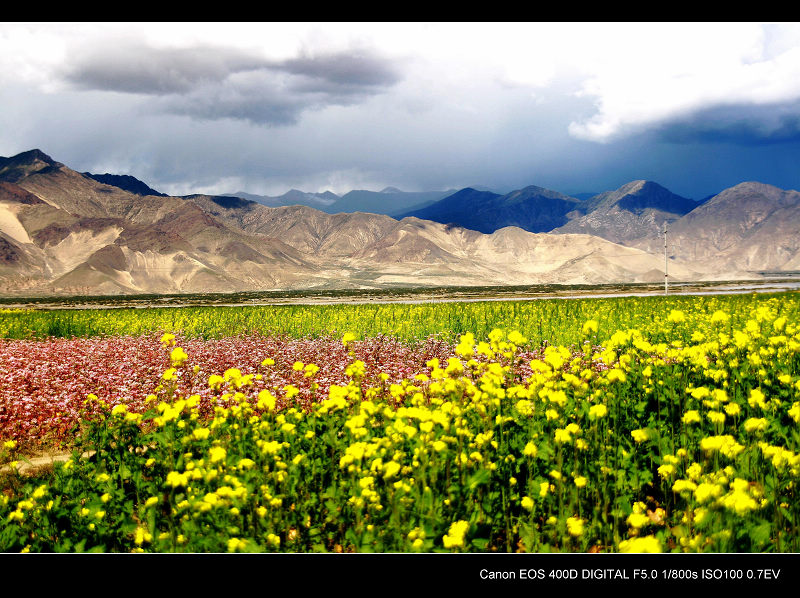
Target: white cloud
{"type": "Point", "coordinates": [668, 72]}
{"type": "Point", "coordinates": [428, 105]}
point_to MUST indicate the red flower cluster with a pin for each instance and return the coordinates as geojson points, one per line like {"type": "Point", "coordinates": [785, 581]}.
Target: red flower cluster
{"type": "Point", "coordinates": [44, 384]}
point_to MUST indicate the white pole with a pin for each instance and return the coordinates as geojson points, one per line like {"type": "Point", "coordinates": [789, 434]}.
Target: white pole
{"type": "Point", "coordinates": [666, 275]}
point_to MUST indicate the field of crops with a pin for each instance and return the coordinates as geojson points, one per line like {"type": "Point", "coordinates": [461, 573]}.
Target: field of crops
{"type": "Point", "coordinates": [650, 424]}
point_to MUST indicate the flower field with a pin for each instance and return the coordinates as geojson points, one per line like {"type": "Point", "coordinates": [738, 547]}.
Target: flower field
{"type": "Point", "coordinates": [623, 425]}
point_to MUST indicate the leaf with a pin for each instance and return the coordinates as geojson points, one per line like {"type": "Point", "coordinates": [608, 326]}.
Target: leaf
{"type": "Point", "coordinates": [760, 534]}
{"type": "Point", "coordinates": [479, 478]}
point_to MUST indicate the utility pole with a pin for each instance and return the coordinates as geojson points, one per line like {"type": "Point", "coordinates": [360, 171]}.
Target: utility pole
{"type": "Point", "coordinates": [666, 275]}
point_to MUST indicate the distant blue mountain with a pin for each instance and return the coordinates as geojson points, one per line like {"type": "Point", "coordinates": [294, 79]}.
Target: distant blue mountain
{"type": "Point", "coordinates": [293, 197]}
{"type": "Point", "coordinates": [391, 201]}
{"type": "Point", "coordinates": [533, 208]}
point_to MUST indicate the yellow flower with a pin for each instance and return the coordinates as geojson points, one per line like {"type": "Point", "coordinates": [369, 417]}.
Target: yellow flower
{"type": "Point", "coordinates": [590, 326]}
{"type": "Point", "coordinates": [755, 424]}
{"type": "Point", "coordinates": [597, 411]}
{"type": "Point", "coordinates": [732, 409]}
{"type": "Point", "coordinates": [719, 316]}
{"type": "Point", "coordinates": [666, 470]}
{"type": "Point", "coordinates": [530, 450]}
{"type": "Point", "coordinates": [691, 417]}
{"type": "Point", "coordinates": [575, 526]}
{"type": "Point", "coordinates": [694, 471]}
{"type": "Point", "coordinates": [676, 316]}
{"type": "Point", "coordinates": [643, 544]}
{"type": "Point", "coordinates": [217, 453]}
{"type": "Point", "coordinates": [200, 433]}
{"type": "Point", "coordinates": [562, 436]}
{"type": "Point", "coordinates": [176, 479]}
{"type": "Point", "coordinates": [684, 485]}
{"type": "Point", "coordinates": [178, 357]}
{"type": "Point", "coordinates": [616, 375]}
{"type": "Point", "coordinates": [704, 491]}
{"type": "Point", "coordinates": [757, 398]}
{"type": "Point", "coordinates": [235, 545]}
{"type": "Point", "coordinates": [544, 487]}
{"type": "Point", "coordinates": [454, 538]}
{"type": "Point", "coordinates": [515, 337]}
{"type": "Point", "coordinates": [527, 503]}
{"type": "Point", "coordinates": [726, 445]}
{"type": "Point", "coordinates": [638, 520]}
{"type": "Point", "coordinates": [141, 536]}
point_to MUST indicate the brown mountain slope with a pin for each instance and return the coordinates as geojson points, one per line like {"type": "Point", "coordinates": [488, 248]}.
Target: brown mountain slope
{"type": "Point", "coordinates": [751, 226]}
{"type": "Point", "coordinates": [636, 210]}
{"type": "Point", "coordinates": [306, 229]}
{"type": "Point", "coordinates": [62, 232]}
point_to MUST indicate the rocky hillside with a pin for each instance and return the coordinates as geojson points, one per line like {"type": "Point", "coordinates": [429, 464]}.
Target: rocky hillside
{"type": "Point", "coordinates": [751, 226]}
{"type": "Point", "coordinates": [635, 211]}
{"type": "Point", "coordinates": [64, 232]}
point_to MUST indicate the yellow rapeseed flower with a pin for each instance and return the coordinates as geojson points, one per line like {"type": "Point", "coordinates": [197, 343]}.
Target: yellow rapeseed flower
{"type": "Point", "coordinates": [755, 424]}
{"type": "Point", "coordinates": [454, 538]}
{"type": "Point", "coordinates": [646, 544]}
{"type": "Point", "coordinates": [575, 526]}
{"type": "Point", "coordinates": [597, 411]}
{"type": "Point", "coordinates": [676, 316]}
{"type": "Point", "coordinates": [530, 450]}
{"type": "Point", "coordinates": [178, 357]}
{"type": "Point", "coordinates": [217, 453]}
{"type": "Point", "coordinates": [590, 327]}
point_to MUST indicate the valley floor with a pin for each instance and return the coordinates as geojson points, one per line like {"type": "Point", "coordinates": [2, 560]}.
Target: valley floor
{"type": "Point", "coordinates": [783, 282]}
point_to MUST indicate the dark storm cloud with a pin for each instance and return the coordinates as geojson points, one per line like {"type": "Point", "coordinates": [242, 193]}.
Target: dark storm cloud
{"type": "Point", "coordinates": [260, 98]}
{"type": "Point", "coordinates": [217, 83]}
{"type": "Point", "coordinates": [740, 125]}
{"type": "Point", "coordinates": [342, 72]}
{"type": "Point", "coordinates": [134, 68]}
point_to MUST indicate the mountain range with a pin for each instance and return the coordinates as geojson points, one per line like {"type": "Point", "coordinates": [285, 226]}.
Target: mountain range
{"type": "Point", "coordinates": [65, 232]}
{"type": "Point", "coordinates": [390, 201]}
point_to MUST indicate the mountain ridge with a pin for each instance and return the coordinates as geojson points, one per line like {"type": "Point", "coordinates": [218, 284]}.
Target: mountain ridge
{"type": "Point", "coordinates": [62, 232]}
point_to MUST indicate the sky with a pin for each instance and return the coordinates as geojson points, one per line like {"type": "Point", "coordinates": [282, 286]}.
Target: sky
{"type": "Point", "coordinates": [266, 107]}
